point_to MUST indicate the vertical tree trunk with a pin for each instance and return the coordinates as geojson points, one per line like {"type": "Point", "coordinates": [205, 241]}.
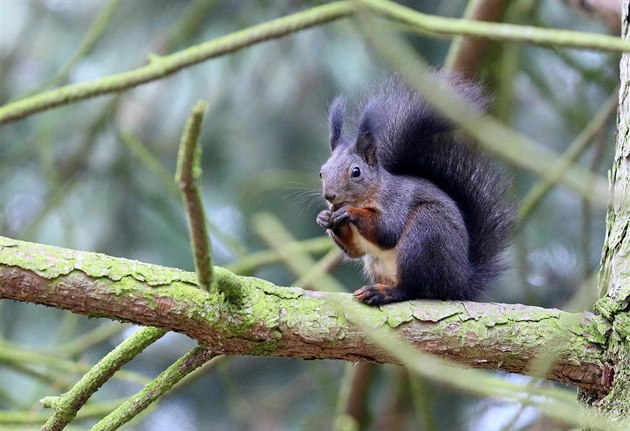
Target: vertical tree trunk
{"type": "Point", "coordinates": [615, 270]}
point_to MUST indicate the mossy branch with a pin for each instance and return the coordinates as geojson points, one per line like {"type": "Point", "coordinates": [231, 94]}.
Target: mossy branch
{"type": "Point", "coordinates": [291, 322]}
{"type": "Point", "coordinates": [163, 66]}
{"type": "Point", "coordinates": [20, 420]}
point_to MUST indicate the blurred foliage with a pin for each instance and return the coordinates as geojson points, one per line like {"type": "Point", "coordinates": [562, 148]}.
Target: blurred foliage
{"type": "Point", "coordinates": [68, 178]}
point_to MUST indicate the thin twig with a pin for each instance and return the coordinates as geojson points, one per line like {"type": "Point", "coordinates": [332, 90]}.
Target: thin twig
{"type": "Point", "coordinates": [251, 262]}
{"type": "Point", "coordinates": [154, 390]}
{"type": "Point", "coordinates": [326, 264]}
{"type": "Point", "coordinates": [47, 367]}
{"type": "Point", "coordinates": [66, 406]}
{"type": "Point", "coordinates": [88, 339]}
{"type": "Point", "coordinates": [562, 164]}
{"type": "Point", "coordinates": [187, 177]}
{"type": "Point", "coordinates": [423, 403]}
{"type": "Point", "coordinates": [28, 420]}
{"type": "Point", "coordinates": [353, 396]}
{"type": "Point", "coordinates": [157, 168]}
{"type": "Point", "coordinates": [90, 39]}
{"type": "Point", "coordinates": [586, 243]}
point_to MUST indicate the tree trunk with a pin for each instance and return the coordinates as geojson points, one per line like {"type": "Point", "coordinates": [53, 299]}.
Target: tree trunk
{"type": "Point", "coordinates": [615, 269]}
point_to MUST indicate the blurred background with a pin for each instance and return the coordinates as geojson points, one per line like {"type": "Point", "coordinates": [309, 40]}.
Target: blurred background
{"type": "Point", "coordinates": [85, 176]}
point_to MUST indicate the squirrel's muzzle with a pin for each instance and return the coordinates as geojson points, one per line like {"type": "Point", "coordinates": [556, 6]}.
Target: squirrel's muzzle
{"type": "Point", "coordinates": [330, 197]}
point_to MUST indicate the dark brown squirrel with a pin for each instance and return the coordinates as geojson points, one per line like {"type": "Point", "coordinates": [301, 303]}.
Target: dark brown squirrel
{"type": "Point", "coordinates": [425, 210]}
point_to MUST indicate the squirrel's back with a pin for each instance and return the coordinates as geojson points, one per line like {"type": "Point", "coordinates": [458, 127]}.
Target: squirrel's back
{"type": "Point", "coordinates": [413, 139]}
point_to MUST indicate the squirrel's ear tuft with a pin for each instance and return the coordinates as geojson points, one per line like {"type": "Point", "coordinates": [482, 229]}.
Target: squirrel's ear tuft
{"type": "Point", "coordinates": [366, 139]}
{"type": "Point", "coordinates": [366, 147]}
{"type": "Point", "coordinates": [335, 120]}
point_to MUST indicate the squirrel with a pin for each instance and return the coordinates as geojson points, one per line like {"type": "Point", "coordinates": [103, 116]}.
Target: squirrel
{"type": "Point", "coordinates": [424, 209]}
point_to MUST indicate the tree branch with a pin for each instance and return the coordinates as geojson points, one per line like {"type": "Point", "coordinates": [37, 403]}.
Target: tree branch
{"type": "Point", "coordinates": [291, 322]}
{"type": "Point", "coordinates": [494, 31]}
{"type": "Point", "coordinates": [162, 66]}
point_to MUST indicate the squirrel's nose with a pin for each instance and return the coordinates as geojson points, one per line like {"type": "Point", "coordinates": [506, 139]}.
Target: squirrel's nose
{"type": "Point", "coordinates": [330, 197]}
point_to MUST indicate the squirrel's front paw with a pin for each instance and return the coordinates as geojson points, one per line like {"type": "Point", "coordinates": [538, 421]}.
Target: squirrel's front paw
{"type": "Point", "coordinates": [376, 294]}
{"type": "Point", "coordinates": [340, 217]}
{"type": "Point", "coordinates": [323, 219]}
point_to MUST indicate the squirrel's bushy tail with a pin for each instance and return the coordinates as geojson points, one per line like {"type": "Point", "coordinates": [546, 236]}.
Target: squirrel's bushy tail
{"type": "Point", "coordinates": [413, 139]}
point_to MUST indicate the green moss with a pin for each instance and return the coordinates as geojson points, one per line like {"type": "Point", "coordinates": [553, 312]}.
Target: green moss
{"type": "Point", "coordinates": [266, 347]}
{"type": "Point", "coordinates": [607, 307]}
{"type": "Point", "coordinates": [621, 325]}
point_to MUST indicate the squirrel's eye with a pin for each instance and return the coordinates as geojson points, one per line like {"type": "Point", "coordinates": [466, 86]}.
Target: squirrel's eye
{"type": "Point", "coordinates": [356, 171]}
{"type": "Point", "coordinates": [320, 174]}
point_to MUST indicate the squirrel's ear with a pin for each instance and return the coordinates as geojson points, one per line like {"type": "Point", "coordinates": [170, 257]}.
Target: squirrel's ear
{"type": "Point", "coordinates": [366, 141]}
{"type": "Point", "coordinates": [366, 147]}
{"type": "Point", "coordinates": [335, 120]}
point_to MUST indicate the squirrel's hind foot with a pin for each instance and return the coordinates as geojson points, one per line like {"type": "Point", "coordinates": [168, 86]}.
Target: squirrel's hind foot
{"type": "Point", "coordinates": [379, 294]}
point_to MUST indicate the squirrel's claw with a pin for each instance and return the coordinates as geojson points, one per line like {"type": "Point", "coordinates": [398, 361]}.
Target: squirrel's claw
{"type": "Point", "coordinates": [375, 294]}
{"type": "Point", "coordinates": [339, 217]}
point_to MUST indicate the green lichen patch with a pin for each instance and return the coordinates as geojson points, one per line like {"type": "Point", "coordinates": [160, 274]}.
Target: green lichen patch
{"type": "Point", "coordinates": [426, 311]}
{"type": "Point", "coordinates": [115, 269]}
{"type": "Point", "coordinates": [46, 261]}
{"type": "Point", "coordinates": [265, 348]}
{"type": "Point", "coordinates": [595, 329]}
{"type": "Point", "coordinates": [8, 242]}
{"type": "Point", "coordinates": [51, 262]}
{"type": "Point", "coordinates": [397, 314]}
{"type": "Point", "coordinates": [621, 325]}
{"type": "Point", "coordinates": [281, 292]}
{"type": "Point", "coordinates": [501, 314]}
